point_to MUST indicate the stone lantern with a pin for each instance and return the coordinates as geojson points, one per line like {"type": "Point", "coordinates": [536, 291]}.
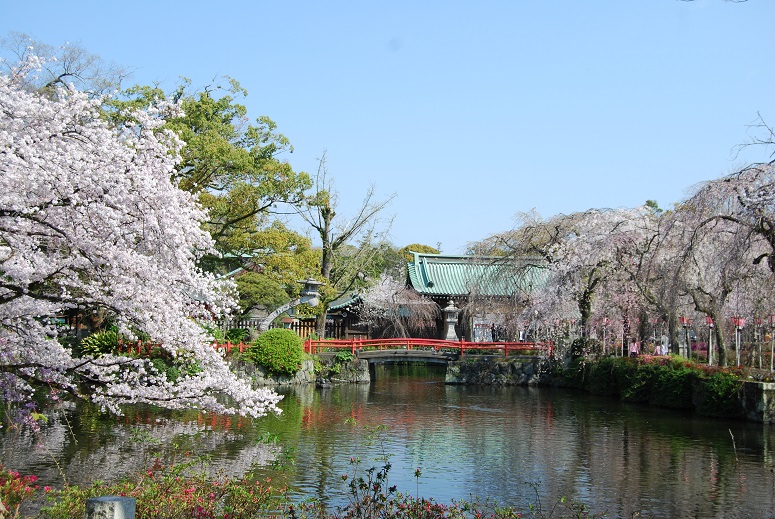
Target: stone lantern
{"type": "Point", "coordinates": [309, 295]}
{"type": "Point", "coordinates": [450, 320]}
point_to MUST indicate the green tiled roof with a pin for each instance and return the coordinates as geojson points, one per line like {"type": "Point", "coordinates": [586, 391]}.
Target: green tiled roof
{"type": "Point", "coordinates": [455, 276]}
{"type": "Point", "coordinates": [344, 302]}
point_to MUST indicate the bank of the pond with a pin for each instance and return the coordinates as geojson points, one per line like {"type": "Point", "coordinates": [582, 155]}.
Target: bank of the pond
{"type": "Point", "coordinates": [490, 370]}
{"type": "Point", "coordinates": [677, 383]}
{"type": "Point", "coordinates": [669, 382]}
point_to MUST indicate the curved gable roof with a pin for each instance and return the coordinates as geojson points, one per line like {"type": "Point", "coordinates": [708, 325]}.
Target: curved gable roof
{"type": "Point", "coordinates": [455, 276]}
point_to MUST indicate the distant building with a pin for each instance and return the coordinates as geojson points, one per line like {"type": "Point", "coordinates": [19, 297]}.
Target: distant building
{"type": "Point", "coordinates": [489, 291]}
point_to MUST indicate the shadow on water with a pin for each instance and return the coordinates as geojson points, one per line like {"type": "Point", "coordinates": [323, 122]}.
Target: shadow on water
{"type": "Point", "coordinates": [488, 441]}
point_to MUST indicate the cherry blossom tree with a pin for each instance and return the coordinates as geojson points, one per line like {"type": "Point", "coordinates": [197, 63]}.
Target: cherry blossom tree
{"type": "Point", "coordinates": [746, 199]}
{"type": "Point", "coordinates": [90, 220]}
{"type": "Point", "coordinates": [391, 309]}
{"type": "Point", "coordinates": [585, 253]}
{"type": "Point", "coordinates": [68, 64]}
{"type": "Point", "coordinates": [728, 246]}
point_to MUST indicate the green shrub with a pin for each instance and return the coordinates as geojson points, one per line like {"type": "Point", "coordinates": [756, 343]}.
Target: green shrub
{"type": "Point", "coordinates": [343, 357]}
{"type": "Point", "coordinates": [637, 381]}
{"type": "Point", "coordinates": [279, 351]}
{"type": "Point", "coordinates": [667, 382]}
{"type": "Point", "coordinates": [621, 377]}
{"type": "Point", "coordinates": [719, 395]}
{"type": "Point", "coordinates": [673, 385]}
{"type": "Point", "coordinates": [100, 343]}
{"type": "Point", "coordinates": [603, 377]}
{"type": "Point", "coordinates": [216, 333]}
{"type": "Point", "coordinates": [573, 375]}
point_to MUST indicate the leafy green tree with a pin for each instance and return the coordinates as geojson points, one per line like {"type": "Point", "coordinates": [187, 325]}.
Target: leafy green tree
{"type": "Point", "coordinates": [268, 277]}
{"type": "Point", "coordinates": [406, 252]}
{"type": "Point", "coordinates": [387, 260]}
{"type": "Point", "coordinates": [235, 169]}
{"type": "Point", "coordinates": [285, 255]}
{"type": "Point", "coordinates": [256, 289]}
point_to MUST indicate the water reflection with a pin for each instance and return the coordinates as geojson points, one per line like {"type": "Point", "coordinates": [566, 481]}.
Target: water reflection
{"type": "Point", "coordinates": [79, 446]}
{"type": "Point", "coordinates": [485, 441]}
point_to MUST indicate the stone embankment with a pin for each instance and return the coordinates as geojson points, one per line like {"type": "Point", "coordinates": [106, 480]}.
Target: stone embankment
{"type": "Point", "coordinates": [349, 372]}
{"type": "Point", "coordinates": [321, 372]}
{"type": "Point", "coordinates": [516, 371]}
{"type": "Point", "coordinates": [758, 400]}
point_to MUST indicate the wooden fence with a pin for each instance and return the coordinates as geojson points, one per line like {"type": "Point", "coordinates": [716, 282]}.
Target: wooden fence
{"type": "Point", "coordinates": [303, 327]}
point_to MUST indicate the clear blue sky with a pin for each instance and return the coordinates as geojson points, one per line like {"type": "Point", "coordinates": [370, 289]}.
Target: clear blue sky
{"type": "Point", "coordinates": [468, 111]}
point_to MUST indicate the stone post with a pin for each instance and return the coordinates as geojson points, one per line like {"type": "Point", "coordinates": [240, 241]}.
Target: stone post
{"type": "Point", "coordinates": [110, 507]}
{"type": "Point", "coordinates": [450, 320]}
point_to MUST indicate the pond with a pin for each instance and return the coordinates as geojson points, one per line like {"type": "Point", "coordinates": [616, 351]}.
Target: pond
{"type": "Point", "coordinates": [512, 444]}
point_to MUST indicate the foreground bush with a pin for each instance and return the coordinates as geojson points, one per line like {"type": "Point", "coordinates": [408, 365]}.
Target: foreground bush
{"type": "Point", "coordinates": [175, 492]}
{"type": "Point", "coordinates": [100, 343]}
{"type": "Point", "coordinates": [14, 490]}
{"type": "Point", "coordinates": [279, 351]}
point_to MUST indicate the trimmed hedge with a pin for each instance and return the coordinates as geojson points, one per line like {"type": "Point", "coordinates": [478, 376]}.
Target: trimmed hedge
{"type": "Point", "coordinates": [279, 351]}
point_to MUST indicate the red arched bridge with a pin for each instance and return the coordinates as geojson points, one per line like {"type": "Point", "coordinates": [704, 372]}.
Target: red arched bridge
{"type": "Point", "coordinates": [424, 350]}
{"type": "Point", "coordinates": [391, 350]}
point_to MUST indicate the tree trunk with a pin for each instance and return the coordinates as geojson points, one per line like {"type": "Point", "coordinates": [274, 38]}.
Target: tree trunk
{"type": "Point", "coordinates": [722, 348]}
{"type": "Point", "coordinates": [674, 332]}
{"type": "Point", "coordinates": [326, 264]}
{"type": "Point", "coordinates": [320, 325]}
{"type": "Point", "coordinates": [585, 309]}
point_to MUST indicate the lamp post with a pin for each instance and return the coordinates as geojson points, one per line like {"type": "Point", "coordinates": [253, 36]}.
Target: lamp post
{"type": "Point", "coordinates": [710, 324]}
{"type": "Point", "coordinates": [738, 322]}
{"type": "Point", "coordinates": [772, 341]}
{"type": "Point", "coordinates": [758, 332]}
{"type": "Point", "coordinates": [686, 322]}
{"type": "Point", "coordinates": [309, 295]}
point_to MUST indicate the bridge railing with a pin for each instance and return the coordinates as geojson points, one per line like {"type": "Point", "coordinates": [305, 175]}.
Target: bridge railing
{"type": "Point", "coordinates": [355, 345]}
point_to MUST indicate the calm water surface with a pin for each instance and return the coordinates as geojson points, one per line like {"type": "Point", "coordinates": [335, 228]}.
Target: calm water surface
{"type": "Point", "coordinates": [503, 443]}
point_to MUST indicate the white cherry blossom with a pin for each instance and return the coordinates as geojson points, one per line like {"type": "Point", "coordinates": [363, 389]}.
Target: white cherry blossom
{"type": "Point", "coordinates": [90, 220]}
